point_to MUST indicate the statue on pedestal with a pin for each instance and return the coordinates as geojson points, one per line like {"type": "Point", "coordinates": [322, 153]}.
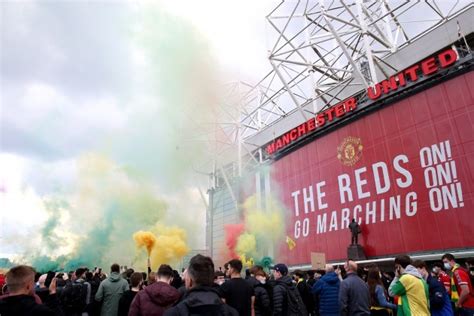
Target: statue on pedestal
{"type": "Point", "coordinates": [355, 230]}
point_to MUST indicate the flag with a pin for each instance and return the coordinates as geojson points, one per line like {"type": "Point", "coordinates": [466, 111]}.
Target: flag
{"type": "Point", "coordinates": [290, 242]}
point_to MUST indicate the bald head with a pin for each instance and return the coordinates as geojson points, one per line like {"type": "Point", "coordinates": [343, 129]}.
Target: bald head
{"type": "Point", "coordinates": [329, 268]}
{"type": "Point", "coordinates": [42, 280]}
{"type": "Point", "coordinates": [351, 266]}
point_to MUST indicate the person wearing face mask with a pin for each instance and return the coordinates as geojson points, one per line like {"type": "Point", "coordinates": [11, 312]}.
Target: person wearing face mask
{"type": "Point", "coordinates": [410, 286]}
{"type": "Point", "coordinates": [462, 294]}
{"type": "Point", "coordinates": [440, 304]}
{"type": "Point", "coordinates": [258, 280]}
{"type": "Point", "coordinates": [442, 277]}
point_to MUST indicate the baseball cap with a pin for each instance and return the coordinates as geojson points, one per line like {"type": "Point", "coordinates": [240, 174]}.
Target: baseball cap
{"type": "Point", "coordinates": [280, 267]}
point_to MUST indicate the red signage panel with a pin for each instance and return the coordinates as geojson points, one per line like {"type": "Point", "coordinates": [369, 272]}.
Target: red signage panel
{"type": "Point", "coordinates": [404, 172]}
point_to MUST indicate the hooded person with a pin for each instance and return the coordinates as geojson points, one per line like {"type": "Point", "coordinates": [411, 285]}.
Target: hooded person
{"type": "Point", "coordinates": [110, 291]}
{"type": "Point", "coordinates": [156, 298]}
{"type": "Point", "coordinates": [410, 286]}
{"type": "Point", "coordinates": [201, 298]}
{"type": "Point", "coordinates": [327, 290]}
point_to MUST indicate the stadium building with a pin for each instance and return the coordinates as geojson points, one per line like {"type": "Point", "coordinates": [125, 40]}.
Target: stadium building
{"type": "Point", "coordinates": [368, 113]}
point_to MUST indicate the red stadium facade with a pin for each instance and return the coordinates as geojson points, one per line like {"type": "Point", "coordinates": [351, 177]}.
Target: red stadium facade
{"type": "Point", "coordinates": [405, 172]}
{"type": "Point", "coordinates": [355, 124]}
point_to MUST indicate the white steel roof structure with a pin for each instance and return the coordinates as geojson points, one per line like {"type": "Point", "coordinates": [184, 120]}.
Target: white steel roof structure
{"type": "Point", "coordinates": [323, 52]}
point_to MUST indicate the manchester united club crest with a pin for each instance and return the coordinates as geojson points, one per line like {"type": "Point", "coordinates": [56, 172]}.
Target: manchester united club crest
{"type": "Point", "coordinates": [350, 151]}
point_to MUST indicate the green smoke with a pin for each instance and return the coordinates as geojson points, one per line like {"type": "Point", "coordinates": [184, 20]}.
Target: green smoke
{"type": "Point", "coordinates": [49, 235]}
{"type": "Point", "coordinates": [109, 206]}
{"type": "Point", "coordinates": [176, 123]}
{"type": "Point", "coordinates": [123, 186]}
{"type": "Point", "coordinates": [265, 262]}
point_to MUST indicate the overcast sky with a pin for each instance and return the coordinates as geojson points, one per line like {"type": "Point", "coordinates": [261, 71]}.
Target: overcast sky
{"type": "Point", "coordinates": [75, 80]}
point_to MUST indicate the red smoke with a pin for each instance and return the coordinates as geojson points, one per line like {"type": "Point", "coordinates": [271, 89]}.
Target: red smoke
{"type": "Point", "coordinates": [232, 232]}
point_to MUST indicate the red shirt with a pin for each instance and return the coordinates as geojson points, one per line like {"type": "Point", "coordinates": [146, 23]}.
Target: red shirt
{"type": "Point", "coordinates": [444, 279]}
{"type": "Point", "coordinates": [461, 277]}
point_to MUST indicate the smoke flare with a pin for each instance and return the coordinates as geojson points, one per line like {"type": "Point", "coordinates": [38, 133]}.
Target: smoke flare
{"type": "Point", "coordinates": [145, 239]}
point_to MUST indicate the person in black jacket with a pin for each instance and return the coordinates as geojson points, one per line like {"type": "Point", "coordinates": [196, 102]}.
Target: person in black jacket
{"type": "Point", "coordinates": [258, 280]}
{"type": "Point", "coordinates": [201, 298]}
{"type": "Point", "coordinates": [136, 280]}
{"type": "Point", "coordinates": [93, 278]}
{"type": "Point", "coordinates": [305, 290]}
{"type": "Point", "coordinates": [20, 300]}
{"type": "Point", "coordinates": [281, 293]}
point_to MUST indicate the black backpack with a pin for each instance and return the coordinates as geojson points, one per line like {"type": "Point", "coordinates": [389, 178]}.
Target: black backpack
{"type": "Point", "coordinates": [74, 297]}
{"type": "Point", "coordinates": [296, 306]}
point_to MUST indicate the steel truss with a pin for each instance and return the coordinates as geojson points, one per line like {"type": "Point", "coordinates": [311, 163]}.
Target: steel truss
{"type": "Point", "coordinates": [323, 52]}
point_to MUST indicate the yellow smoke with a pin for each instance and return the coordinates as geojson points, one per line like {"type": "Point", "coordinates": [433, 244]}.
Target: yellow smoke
{"type": "Point", "coordinates": [145, 239]}
{"type": "Point", "coordinates": [170, 246]}
{"type": "Point", "coordinates": [246, 244]}
{"type": "Point", "coordinates": [266, 225]}
{"type": "Point", "coordinates": [248, 263]}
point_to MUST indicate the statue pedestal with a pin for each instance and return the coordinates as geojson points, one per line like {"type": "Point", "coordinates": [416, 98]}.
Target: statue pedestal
{"type": "Point", "coordinates": [356, 252]}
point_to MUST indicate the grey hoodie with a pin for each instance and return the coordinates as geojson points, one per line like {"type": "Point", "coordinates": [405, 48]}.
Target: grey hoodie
{"type": "Point", "coordinates": [408, 270]}
{"type": "Point", "coordinates": [110, 291]}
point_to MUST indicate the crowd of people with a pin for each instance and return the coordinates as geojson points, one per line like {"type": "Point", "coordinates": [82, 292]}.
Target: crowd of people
{"type": "Point", "coordinates": [413, 288]}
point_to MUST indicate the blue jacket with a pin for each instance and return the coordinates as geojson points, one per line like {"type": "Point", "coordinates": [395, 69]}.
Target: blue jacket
{"type": "Point", "coordinates": [381, 299]}
{"type": "Point", "coordinates": [328, 290]}
{"type": "Point", "coordinates": [440, 303]}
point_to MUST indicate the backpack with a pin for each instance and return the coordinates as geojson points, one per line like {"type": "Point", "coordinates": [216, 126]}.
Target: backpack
{"type": "Point", "coordinates": [306, 295]}
{"type": "Point", "coordinates": [296, 306]}
{"type": "Point", "coordinates": [74, 297]}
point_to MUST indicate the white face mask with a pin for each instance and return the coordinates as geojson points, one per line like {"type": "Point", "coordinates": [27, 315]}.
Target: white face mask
{"type": "Point", "coordinates": [447, 265]}
{"type": "Point", "coordinates": [262, 280]}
